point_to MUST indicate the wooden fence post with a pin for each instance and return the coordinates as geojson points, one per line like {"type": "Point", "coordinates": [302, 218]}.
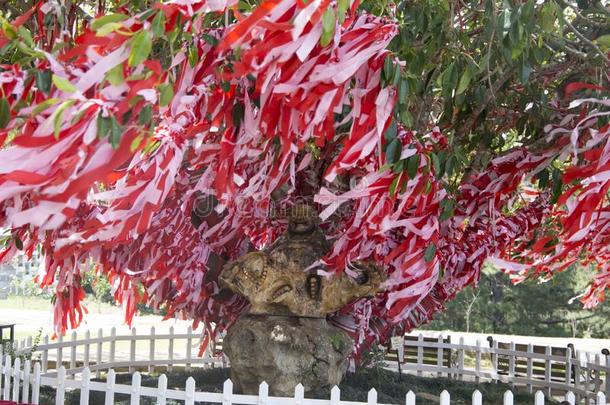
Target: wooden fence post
{"type": "Point", "coordinates": [60, 392]}
{"type": "Point", "coordinates": [600, 399]}
{"type": "Point", "coordinates": [227, 392]}
{"type": "Point", "coordinates": [87, 349]}
{"type": "Point", "coordinates": [439, 356]}
{"type": "Point", "coordinates": [190, 391]}
{"type": "Point", "coordinates": [151, 351]}
{"type": "Point", "coordinates": [110, 379]}
{"type": "Point", "coordinates": [477, 364]}
{"type": "Point", "coordinates": [27, 370]}
{"type": "Point", "coordinates": [263, 393]}
{"type": "Point", "coordinates": [162, 390]}
{"type": "Point", "coordinates": [607, 375]}
{"type": "Point", "coordinates": [445, 399]}
{"type": "Point", "coordinates": [547, 369]}
{"type": "Point", "coordinates": [136, 383]}
{"type": "Point", "coordinates": [98, 357]}
{"type": "Point", "coordinates": [45, 354]}
{"type": "Point", "coordinates": [420, 353]}
{"type": "Point", "coordinates": [84, 386]}
{"type": "Point", "coordinates": [597, 378]}
{"type": "Point", "coordinates": [570, 398]}
{"type": "Point", "coordinates": [299, 394]}
{"type": "Point", "coordinates": [60, 352]}
{"type": "Point", "coordinates": [461, 358]}
{"type": "Point", "coordinates": [335, 396]}
{"type": "Point", "coordinates": [73, 354]}
{"type": "Point", "coordinates": [171, 348]}
{"type": "Point", "coordinates": [189, 343]}
{"type": "Point", "coordinates": [587, 373]}
{"type": "Point", "coordinates": [372, 397]}
{"type": "Point", "coordinates": [530, 366]}
{"type": "Point", "coordinates": [7, 377]}
{"type": "Point", "coordinates": [112, 345]}
{"type": "Point", "coordinates": [16, 379]}
{"type": "Point", "coordinates": [539, 398]}
{"type": "Point", "coordinates": [36, 384]}
{"type": "Point", "coordinates": [410, 398]}
{"type": "Point", "coordinates": [509, 398]}
{"type": "Point", "coordinates": [132, 349]}
{"type": "Point", "coordinates": [494, 357]}
{"type": "Point", "coordinates": [477, 398]}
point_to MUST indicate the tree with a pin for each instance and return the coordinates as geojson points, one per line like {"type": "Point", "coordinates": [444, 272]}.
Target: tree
{"type": "Point", "coordinates": [488, 143]}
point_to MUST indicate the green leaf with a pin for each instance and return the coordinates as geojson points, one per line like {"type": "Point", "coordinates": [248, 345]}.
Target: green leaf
{"type": "Point", "coordinates": [115, 133]}
{"type": "Point", "coordinates": [225, 86]}
{"type": "Point", "coordinates": [63, 84]}
{"type": "Point", "coordinates": [238, 114]}
{"type": "Point", "coordinates": [413, 166]}
{"type": "Point", "coordinates": [396, 77]}
{"type": "Point", "coordinates": [436, 164]}
{"type": "Point", "coordinates": [604, 42]}
{"type": "Point", "coordinates": [388, 68]}
{"type": "Point", "coordinates": [108, 28]}
{"type": "Point", "coordinates": [108, 18]}
{"type": "Point", "coordinates": [27, 36]}
{"type": "Point", "coordinates": [43, 81]}
{"type": "Point", "coordinates": [342, 7]}
{"type": "Point", "coordinates": [166, 94]}
{"type": "Point", "coordinates": [193, 56]}
{"type": "Point", "coordinates": [18, 243]}
{"type": "Point", "coordinates": [543, 178]}
{"type": "Point", "coordinates": [464, 81]}
{"type": "Point", "coordinates": [5, 113]}
{"type": "Point", "coordinates": [44, 105]}
{"type": "Point", "coordinates": [328, 26]}
{"type": "Point", "coordinates": [158, 24]}
{"type": "Point", "coordinates": [9, 30]}
{"type": "Point", "coordinates": [210, 39]}
{"type": "Point", "coordinates": [145, 115]}
{"type": "Point", "coordinates": [393, 151]}
{"type": "Point", "coordinates": [394, 184]}
{"type": "Point", "coordinates": [103, 126]}
{"type": "Point", "coordinates": [135, 144]}
{"type": "Point", "coordinates": [526, 70]}
{"type": "Point", "coordinates": [430, 253]}
{"type": "Point", "coordinates": [115, 75]}
{"type": "Point", "coordinates": [140, 48]}
{"type": "Point", "coordinates": [548, 17]}
{"type": "Point", "coordinates": [448, 207]}
{"type": "Point", "coordinates": [403, 91]}
{"type": "Point", "coordinates": [58, 116]}
{"type": "Point", "coordinates": [450, 165]}
{"type": "Point", "coordinates": [392, 131]}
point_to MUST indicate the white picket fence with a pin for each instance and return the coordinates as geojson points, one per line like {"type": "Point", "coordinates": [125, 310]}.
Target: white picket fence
{"type": "Point", "coordinates": [23, 384]}
{"type": "Point", "coordinates": [69, 364]}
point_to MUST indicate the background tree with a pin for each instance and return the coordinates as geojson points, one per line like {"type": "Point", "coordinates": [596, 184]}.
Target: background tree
{"type": "Point", "coordinates": [529, 309]}
{"type": "Point", "coordinates": [130, 129]}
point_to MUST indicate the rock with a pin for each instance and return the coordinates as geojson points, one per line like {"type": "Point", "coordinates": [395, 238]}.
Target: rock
{"type": "Point", "coordinates": [285, 351]}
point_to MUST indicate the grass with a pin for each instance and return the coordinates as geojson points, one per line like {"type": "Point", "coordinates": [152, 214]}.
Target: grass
{"type": "Point", "coordinates": [391, 388]}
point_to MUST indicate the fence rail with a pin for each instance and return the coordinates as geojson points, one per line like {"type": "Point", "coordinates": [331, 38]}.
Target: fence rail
{"type": "Point", "coordinates": [70, 363]}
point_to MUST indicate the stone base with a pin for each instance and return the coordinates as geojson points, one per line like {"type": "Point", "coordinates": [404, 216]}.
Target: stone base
{"type": "Point", "coordinates": [285, 351]}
